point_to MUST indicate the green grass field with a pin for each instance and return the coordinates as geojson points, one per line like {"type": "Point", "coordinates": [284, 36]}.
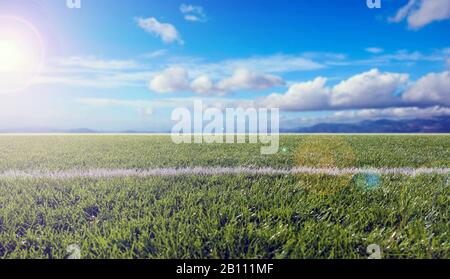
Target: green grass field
{"type": "Point", "coordinates": [226, 215]}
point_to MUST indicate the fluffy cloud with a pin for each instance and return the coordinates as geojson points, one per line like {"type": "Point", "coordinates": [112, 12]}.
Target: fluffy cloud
{"type": "Point", "coordinates": [432, 89]}
{"type": "Point", "coordinates": [371, 89]}
{"type": "Point", "coordinates": [170, 80]}
{"type": "Point", "coordinates": [422, 12]}
{"type": "Point", "coordinates": [203, 85]}
{"type": "Point", "coordinates": [177, 79]}
{"type": "Point", "coordinates": [193, 13]}
{"type": "Point", "coordinates": [243, 79]}
{"type": "Point", "coordinates": [300, 96]}
{"type": "Point", "coordinates": [429, 11]}
{"type": "Point", "coordinates": [167, 32]}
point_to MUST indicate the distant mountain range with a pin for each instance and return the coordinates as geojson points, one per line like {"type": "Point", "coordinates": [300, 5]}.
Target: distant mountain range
{"type": "Point", "coordinates": [435, 125]}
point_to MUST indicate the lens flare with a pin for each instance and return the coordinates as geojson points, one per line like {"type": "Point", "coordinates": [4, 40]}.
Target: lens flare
{"type": "Point", "coordinates": [324, 152]}
{"type": "Point", "coordinates": [21, 54]}
{"type": "Point", "coordinates": [368, 181]}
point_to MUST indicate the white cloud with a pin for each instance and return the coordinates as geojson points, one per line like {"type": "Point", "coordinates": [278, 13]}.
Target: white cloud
{"type": "Point", "coordinates": [374, 50]}
{"type": "Point", "coordinates": [432, 89]}
{"type": "Point", "coordinates": [91, 71]}
{"type": "Point", "coordinates": [97, 80]}
{"type": "Point", "coordinates": [271, 64]}
{"type": "Point", "coordinates": [97, 72]}
{"type": "Point", "coordinates": [170, 80]}
{"type": "Point", "coordinates": [94, 63]}
{"type": "Point", "coordinates": [429, 11]}
{"type": "Point", "coordinates": [405, 55]}
{"type": "Point", "coordinates": [176, 79]}
{"type": "Point", "coordinates": [185, 9]}
{"type": "Point", "coordinates": [193, 13]}
{"type": "Point", "coordinates": [282, 63]}
{"type": "Point", "coordinates": [192, 18]}
{"type": "Point", "coordinates": [401, 56]}
{"type": "Point", "coordinates": [371, 89]}
{"type": "Point", "coordinates": [423, 12]}
{"type": "Point", "coordinates": [309, 95]}
{"type": "Point", "coordinates": [403, 12]}
{"type": "Point", "coordinates": [203, 85]}
{"type": "Point", "coordinates": [243, 79]}
{"type": "Point", "coordinates": [166, 31]}
{"type": "Point", "coordinates": [277, 63]}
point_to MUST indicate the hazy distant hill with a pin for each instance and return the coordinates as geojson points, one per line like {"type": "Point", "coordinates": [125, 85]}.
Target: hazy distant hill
{"type": "Point", "coordinates": [436, 125]}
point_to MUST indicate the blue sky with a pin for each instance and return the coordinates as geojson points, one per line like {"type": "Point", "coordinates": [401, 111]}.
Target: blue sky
{"type": "Point", "coordinates": [124, 65]}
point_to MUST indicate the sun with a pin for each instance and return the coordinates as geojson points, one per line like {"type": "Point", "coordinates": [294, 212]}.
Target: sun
{"type": "Point", "coordinates": [21, 54]}
{"type": "Point", "coordinates": [12, 58]}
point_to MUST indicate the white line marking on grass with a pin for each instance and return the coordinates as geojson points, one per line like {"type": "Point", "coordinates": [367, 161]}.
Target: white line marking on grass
{"type": "Point", "coordinates": [210, 171]}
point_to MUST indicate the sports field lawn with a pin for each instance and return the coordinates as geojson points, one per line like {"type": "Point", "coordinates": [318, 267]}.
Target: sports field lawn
{"type": "Point", "coordinates": [224, 215]}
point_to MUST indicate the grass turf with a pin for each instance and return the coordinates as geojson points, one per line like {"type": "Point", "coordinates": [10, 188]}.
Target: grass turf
{"type": "Point", "coordinates": [224, 216]}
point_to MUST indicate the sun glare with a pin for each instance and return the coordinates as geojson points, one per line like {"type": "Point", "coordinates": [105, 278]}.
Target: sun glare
{"type": "Point", "coordinates": [21, 54]}
{"type": "Point", "coordinates": [12, 58]}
